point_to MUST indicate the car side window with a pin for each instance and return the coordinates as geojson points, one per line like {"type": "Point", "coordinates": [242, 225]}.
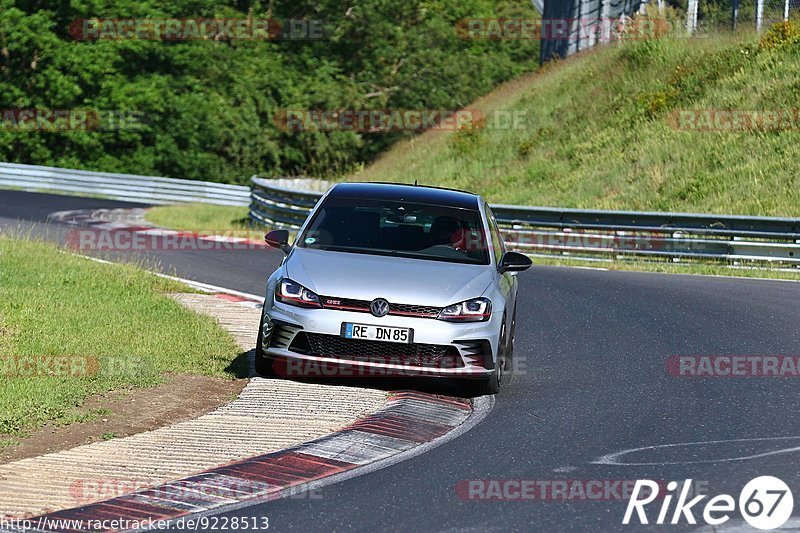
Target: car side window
{"type": "Point", "coordinates": [497, 238]}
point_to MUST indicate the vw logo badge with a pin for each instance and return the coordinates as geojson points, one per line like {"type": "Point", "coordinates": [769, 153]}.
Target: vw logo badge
{"type": "Point", "coordinates": [379, 307]}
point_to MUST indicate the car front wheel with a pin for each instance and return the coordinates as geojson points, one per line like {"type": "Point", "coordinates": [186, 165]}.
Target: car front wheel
{"type": "Point", "coordinates": [264, 365]}
{"type": "Point", "coordinates": [493, 383]}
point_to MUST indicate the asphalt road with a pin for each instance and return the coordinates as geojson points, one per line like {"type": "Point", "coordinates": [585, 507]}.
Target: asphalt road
{"type": "Point", "coordinates": [591, 381]}
{"type": "Point", "coordinates": [242, 270]}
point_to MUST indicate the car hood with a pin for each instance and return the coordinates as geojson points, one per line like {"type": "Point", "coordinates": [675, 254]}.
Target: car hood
{"type": "Point", "coordinates": [397, 279]}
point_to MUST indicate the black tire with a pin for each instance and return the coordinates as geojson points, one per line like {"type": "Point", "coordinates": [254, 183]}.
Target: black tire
{"type": "Point", "coordinates": [510, 347]}
{"type": "Point", "coordinates": [264, 365]}
{"type": "Point", "coordinates": [490, 386]}
{"type": "Point", "coordinates": [493, 384]}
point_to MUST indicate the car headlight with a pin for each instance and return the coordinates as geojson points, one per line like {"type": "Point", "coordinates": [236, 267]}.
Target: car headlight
{"type": "Point", "coordinates": [475, 310]}
{"type": "Point", "coordinates": [292, 293]}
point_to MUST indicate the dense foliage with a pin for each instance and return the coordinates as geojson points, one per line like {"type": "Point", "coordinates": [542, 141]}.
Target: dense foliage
{"type": "Point", "coordinates": [205, 109]}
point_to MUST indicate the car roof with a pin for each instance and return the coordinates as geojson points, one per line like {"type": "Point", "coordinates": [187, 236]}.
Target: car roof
{"type": "Point", "coordinates": [410, 193]}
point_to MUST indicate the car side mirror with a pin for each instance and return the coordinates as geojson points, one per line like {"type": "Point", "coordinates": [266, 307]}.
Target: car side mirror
{"type": "Point", "coordinates": [278, 238]}
{"type": "Point", "coordinates": [514, 262]}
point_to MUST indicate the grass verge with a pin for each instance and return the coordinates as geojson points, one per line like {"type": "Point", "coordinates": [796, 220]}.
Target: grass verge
{"type": "Point", "coordinates": [200, 217]}
{"type": "Point", "coordinates": [72, 328]}
{"type": "Point", "coordinates": [599, 131]}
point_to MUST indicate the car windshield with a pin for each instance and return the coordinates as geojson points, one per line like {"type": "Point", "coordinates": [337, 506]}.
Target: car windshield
{"type": "Point", "coordinates": [398, 228]}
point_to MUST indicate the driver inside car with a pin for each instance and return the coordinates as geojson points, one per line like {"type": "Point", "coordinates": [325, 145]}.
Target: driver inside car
{"type": "Point", "coordinates": [446, 231]}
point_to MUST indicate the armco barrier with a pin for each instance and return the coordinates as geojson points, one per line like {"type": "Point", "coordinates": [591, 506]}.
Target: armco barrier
{"type": "Point", "coordinates": [148, 189]}
{"type": "Point", "coordinates": [583, 233]}
{"type": "Point", "coordinates": [580, 233]}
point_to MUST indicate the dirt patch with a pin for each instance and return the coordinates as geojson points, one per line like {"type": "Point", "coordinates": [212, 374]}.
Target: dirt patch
{"type": "Point", "coordinates": [181, 398]}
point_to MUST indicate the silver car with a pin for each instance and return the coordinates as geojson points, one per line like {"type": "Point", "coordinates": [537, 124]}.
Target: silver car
{"type": "Point", "coordinates": [389, 280]}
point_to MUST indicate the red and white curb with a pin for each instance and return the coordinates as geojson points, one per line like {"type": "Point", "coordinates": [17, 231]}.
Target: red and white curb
{"type": "Point", "coordinates": [409, 420]}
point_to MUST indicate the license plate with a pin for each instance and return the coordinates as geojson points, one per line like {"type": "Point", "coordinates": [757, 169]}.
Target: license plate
{"type": "Point", "coordinates": [377, 333]}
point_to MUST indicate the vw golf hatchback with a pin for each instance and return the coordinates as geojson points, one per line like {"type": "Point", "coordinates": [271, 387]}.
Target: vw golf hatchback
{"type": "Point", "coordinates": [393, 280]}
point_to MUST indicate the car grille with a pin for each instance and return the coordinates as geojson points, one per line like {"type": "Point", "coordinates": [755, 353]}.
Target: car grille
{"type": "Point", "coordinates": [414, 354]}
{"type": "Point", "coordinates": [362, 306]}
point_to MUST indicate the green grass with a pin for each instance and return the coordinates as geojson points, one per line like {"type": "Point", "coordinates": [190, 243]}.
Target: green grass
{"type": "Point", "coordinates": [114, 318]}
{"type": "Point", "coordinates": [597, 133]}
{"type": "Point", "coordinates": [199, 217]}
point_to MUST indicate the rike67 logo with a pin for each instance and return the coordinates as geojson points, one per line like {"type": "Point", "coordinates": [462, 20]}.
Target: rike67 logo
{"type": "Point", "coordinates": [765, 503]}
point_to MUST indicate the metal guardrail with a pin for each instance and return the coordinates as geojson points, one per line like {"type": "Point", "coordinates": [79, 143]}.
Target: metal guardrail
{"type": "Point", "coordinates": [275, 205]}
{"type": "Point", "coordinates": [586, 234]}
{"type": "Point", "coordinates": [577, 25]}
{"type": "Point", "coordinates": [147, 189]}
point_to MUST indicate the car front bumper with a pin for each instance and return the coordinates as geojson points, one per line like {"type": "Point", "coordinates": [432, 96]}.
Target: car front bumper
{"type": "Point", "coordinates": [469, 347]}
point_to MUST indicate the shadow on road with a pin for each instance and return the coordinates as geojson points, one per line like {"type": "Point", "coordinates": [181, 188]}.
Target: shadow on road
{"type": "Point", "coordinates": [443, 386]}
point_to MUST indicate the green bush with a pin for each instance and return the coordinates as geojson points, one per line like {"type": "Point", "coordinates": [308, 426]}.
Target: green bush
{"type": "Point", "coordinates": [780, 34]}
{"type": "Point", "coordinates": [207, 109]}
